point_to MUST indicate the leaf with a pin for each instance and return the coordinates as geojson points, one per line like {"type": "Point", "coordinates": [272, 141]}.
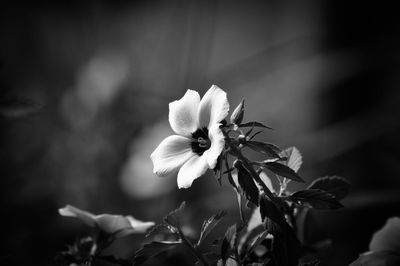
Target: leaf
{"type": "Point", "coordinates": [268, 149]}
{"type": "Point", "coordinates": [285, 248]}
{"type": "Point", "coordinates": [228, 262]}
{"type": "Point", "coordinates": [161, 229]}
{"type": "Point", "coordinates": [316, 198]}
{"type": "Point", "coordinates": [173, 218]}
{"type": "Point", "coordinates": [210, 257]}
{"type": "Point", "coordinates": [254, 124]}
{"type": "Point", "coordinates": [247, 184]}
{"type": "Point", "coordinates": [209, 225]}
{"type": "Point", "coordinates": [268, 209]}
{"type": "Point", "coordinates": [153, 249]}
{"type": "Point", "coordinates": [110, 224]}
{"type": "Point", "coordinates": [339, 187]}
{"type": "Point", "coordinates": [238, 113]}
{"type": "Point", "coordinates": [16, 107]}
{"type": "Point", "coordinates": [228, 243]}
{"type": "Point", "coordinates": [294, 158]}
{"type": "Point", "coordinates": [283, 170]}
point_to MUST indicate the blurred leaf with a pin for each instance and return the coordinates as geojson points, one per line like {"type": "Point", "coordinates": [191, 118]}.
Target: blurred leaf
{"type": "Point", "coordinates": [322, 245]}
{"type": "Point", "coordinates": [254, 124]}
{"type": "Point", "coordinates": [229, 243]}
{"type": "Point", "coordinates": [384, 258]}
{"type": "Point", "coordinates": [238, 113]}
{"type": "Point", "coordinates": [268, 149]}
{"type": "Point", "coordinates": [228, 262]}
{"type": "Point", "coordinates": [18, 107]}
{"type": "Point", "coordinates": [110, 224]}
{"type": "Point", "coordinates": [247, 184]}
{"type": "Point", "coordinates": [339, 187]}
{"type": "Point", "coordinates": [387, 237]}
{"type": "Point", "coordinates": [294, 158]}
{"type": "Point", "coordinates": [173, 218]}
{"type": "Point", "coordinates": [153, 249]}
{"type": "Point", "coordinates": [316, 198]}
{"type": "Point", "coordinates": [210, 257]}
{"type": "Point", "coordinates": [209, 225]}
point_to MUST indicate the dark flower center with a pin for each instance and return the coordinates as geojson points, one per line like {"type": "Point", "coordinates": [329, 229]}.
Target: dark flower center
{"type": "Point", "coordinates": [200, 142]}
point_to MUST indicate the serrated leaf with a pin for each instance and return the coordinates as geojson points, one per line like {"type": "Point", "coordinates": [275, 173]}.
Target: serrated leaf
{"type": "Point", "coordinates": [209, 225]}
{"type": "Point", "coordinates": [173, 218]}
{"type": "Point", "coordinates": [268, 149]}
{"type": "Point", "coordinates": [161, 229]}
{"type": "Point", "coordinates": [254, 124]}
{"type": "Point", "coordinates": [283, 170]}
{"type": "Point", "coordinates": [228, 243]}
{"type": "Point", "coordinates": [238, 113]}
{"type": "Point", "coordinates": [246, 182]}
{"type": "Point", "coordinates": [335, 185]}
{"type": "Point", "coordinates": [153, 249]}
{"type": "Point", "coordinates": [316, 198]}
{"type": "Point", "coordinates": [294, 158]}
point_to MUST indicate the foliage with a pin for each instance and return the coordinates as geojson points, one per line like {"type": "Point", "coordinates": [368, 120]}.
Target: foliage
{"type": "Point", "coordinates": [271, 236]}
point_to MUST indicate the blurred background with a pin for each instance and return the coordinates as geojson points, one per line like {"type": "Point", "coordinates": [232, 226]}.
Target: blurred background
{"type": "Point", "coordinates": [84, 100]}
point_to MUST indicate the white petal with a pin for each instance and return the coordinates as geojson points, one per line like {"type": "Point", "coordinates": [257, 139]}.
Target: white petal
{"type": "Point", "coordinates": [217, 145]}
{"type": "Point", "coordinates": [214, 107]}
{"type": "Point", "coordinates": [192, 170]}
{"type": "Point", "coordinates": [183, 113]}
{"type": "Point", "coordinates": [171, 154]}
{"type": "Point", "coordinates": [86, 217]}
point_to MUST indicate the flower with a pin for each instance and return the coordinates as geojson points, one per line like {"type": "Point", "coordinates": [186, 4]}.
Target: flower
{"type": "Point", "coordinates": [198, 141]}
{"type": "Point", "coordinates": [108, 223]}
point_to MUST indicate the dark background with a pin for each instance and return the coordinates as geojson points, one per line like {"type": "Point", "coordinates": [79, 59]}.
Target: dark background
{"type": "Point", "coordinates": [84, 100]}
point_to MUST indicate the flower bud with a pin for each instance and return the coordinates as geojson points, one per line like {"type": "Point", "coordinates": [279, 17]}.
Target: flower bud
{"type": "Point", "coordinates": [238, 113]}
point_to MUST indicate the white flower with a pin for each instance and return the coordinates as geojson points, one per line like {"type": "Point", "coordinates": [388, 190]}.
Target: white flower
{"type": "Point", "coordinates": [198, 141]}
{"type": "Point", "coordinates": [108, 223]}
